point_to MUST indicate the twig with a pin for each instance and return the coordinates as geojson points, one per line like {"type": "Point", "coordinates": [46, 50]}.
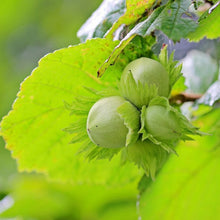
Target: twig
{"type": "Point", "coordinates": [184, 97]}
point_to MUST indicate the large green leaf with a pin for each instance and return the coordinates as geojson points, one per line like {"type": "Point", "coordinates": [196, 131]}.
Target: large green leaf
{"type": "Point", "coordinates": [188, 186]}
{"type": "Point", "coordinates": [170, 18]}
{"type": "Point", "coordinates": [33, 130]}
{"type": "Point", "coordinates": [208, 27]}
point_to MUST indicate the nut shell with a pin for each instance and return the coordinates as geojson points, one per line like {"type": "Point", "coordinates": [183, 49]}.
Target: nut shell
{"type": "Point", "coordinates": [162, 124]}
{"type": "Point", "coordinates": [149, 71]}
{"type": "Point", "coordinates": [105, 127]}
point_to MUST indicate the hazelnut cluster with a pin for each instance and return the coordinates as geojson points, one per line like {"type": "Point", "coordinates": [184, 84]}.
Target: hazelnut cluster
{"type": "Point", "coordinates": [141, 119]}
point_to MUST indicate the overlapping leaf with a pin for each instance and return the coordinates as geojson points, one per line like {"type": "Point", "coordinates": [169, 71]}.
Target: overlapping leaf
{"type": "Point", "coordinates": [188, 186]}
{"type": "Point", "coordinates": [102, 19]}
{"type": "Point", "coordinates": [111, 15]}
{"type": "Point", "coordinates": [168, 18]}
{"type": "Point", "coordinates": [134, 11]}
{"type": "Point", "coordinates": [208, 27]}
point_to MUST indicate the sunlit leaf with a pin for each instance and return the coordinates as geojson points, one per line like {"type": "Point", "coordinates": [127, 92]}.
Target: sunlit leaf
{"type": "Point", "coordinates": [187, 187]}
{"type": "Point", "coordinates": [34, 128]}
{"type": "Point", "coordinates": [209, 27]}
{"type": "Point", "coordinates": [134, 11]}
{"type": "Point", "coordinates": [102, 19]}
{"type": "Point", "coordinates": [168, 18]}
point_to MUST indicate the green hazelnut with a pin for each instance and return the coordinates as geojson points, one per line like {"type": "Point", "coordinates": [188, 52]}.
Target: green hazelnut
{"type": "Point", "coordinates": [149, 71]}
{"type": "Point", "coordinates": [144, 71]}
{"type": "Point", "coordinates": [163, 124]}
{"type": "Point", "coordinates": [105, 127]}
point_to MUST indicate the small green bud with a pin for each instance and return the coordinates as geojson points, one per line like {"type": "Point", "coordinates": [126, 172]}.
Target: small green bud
{"type": "Point", "coordinates": [105, 126]}
{"type": "Point", "coordinates": [145, 71]}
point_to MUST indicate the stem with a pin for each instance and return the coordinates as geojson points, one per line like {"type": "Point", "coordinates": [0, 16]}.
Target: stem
{"type": "Point", "coordinates": [184, 97]}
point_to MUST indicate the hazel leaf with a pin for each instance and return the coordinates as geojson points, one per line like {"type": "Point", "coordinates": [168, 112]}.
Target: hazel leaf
{"type": "Point", "coordinates": [208, 27]}
{"type": "Point", "coordinates": [102, 19]}
{"type": "Point", "coordinates": [170, 18]}
{"type": "Point", "coordinates": [34, 128]}
{"type": "Point", "coordinates": [187, 187]}
{"type": "Point", "coordinates": [134, 11]}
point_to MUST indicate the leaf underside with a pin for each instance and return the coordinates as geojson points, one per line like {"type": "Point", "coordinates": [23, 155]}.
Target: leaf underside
{"type": "Point", "coordinates": [171, 18]}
